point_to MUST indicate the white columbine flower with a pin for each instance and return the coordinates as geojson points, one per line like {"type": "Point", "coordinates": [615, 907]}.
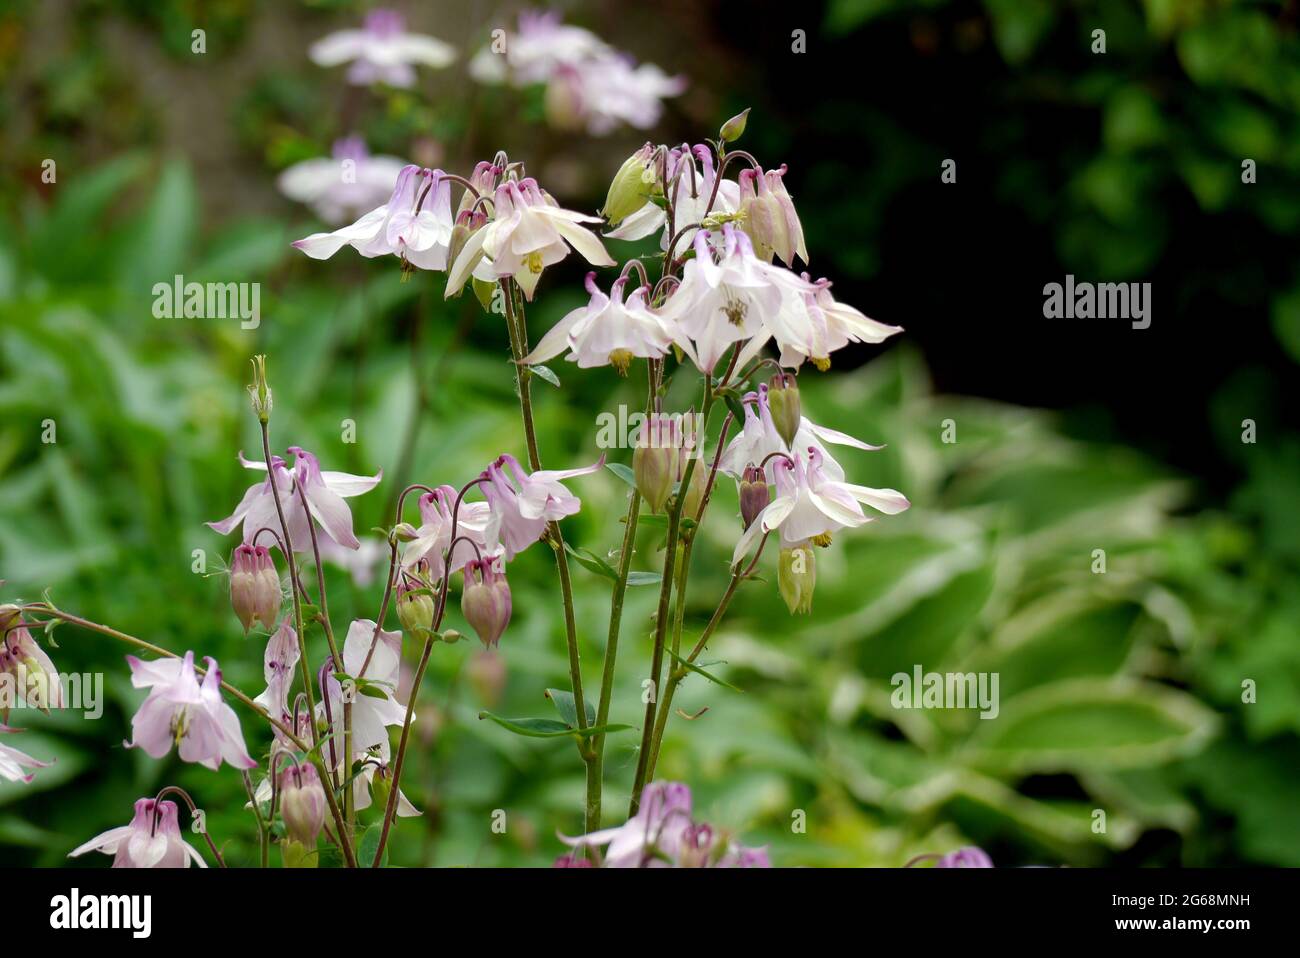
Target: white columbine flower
{"type": "Point", "coordinates": [382, 51]}
{"type": "Point", "coordinates": [371, 713]}
{"type": "Point", "coordinates": [343, 186]}
{"type": "Point", "coordinates": [521, 504]}
{"type": "Point", "coordinates": [152, 840]}
{"type": "Point", "coordinates": [528, 232]}
{"type": "Point", "coordinates": [809, 504]}
{"type": "Point", "coordinates": [433, 538]}
{"type": "Point", "coordinates": [14, 764]}
{"type": "Point", "coordinates": [692, 188]}
{"type": "Point", "coordinates": [811, 325]}
{"type": "Point", "coordinates": [607, 331]}
{"type": "Point", "coordinates": [759, 438]}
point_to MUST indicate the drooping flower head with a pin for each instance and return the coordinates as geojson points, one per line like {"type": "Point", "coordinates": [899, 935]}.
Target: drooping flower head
{"type": "Point", "coordinates": [278, 664]}
{"type": "Point", "coordinates": [485, 601]}
{"type": "Point", "coordinates": [433, 537]}
{"type": "Point", "coordinates": [152, 840]}
{"type": "Point", "coordinates": [528, 232]}
{"type": "Point", "coordinates": [324, 491]}
{"type": "Point", "coordinates": [34, 680]}
{"type": "Point", "coordinates": [520, 504]}
{"type": "Point", "coordinates": [14, 763]}
{"type": "Point", "coordinates": [769, 215]}
{"type": "Point", "coordinates": [382, 51]}
{"type": "Point", "coordinates": [607, 331]}
{"type": "Point", "coordinates": [378, 708]}
{"type": "Point", "coordinates": [415, 224]}
{"type": "Point", "coordinates": [254, 586]}
{"type": "Point", "coordinates": [179, 711]}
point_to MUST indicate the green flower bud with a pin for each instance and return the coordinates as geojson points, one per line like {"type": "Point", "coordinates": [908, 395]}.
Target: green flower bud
{"type": "Point", "coordinates": [797, 577]}
{"type": "Point", "coordinates": [414, 608]}
{"type": "Point", "coordinates": [656, 458]}
{"type": "Point", "coordinates": [631, 187]}
{"type": "Point", "coordinates": [787, 410]}
{"type": "Point", "coordinates": [734, 128]}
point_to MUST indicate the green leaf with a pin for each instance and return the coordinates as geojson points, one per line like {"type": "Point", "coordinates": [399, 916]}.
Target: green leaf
{"type": "Point", "coordinates": [564, 704]}
{"type": "Point", "coordinates": [369, 844]}
{"type": "Point", "coordinates": [547, 728]}
{"type": "Point", "coordinates": [623, 472]}
{"type": "Point", "coordinates": [545, 372]}
{"type": "Point", "coordinates": [1092, 724]}
{"type": "Point", "coordinates": [592, 562]}
{"type": "Point", "coordinates": [644, 578]}
{"type": "Point", "coordinates": [691, 666]}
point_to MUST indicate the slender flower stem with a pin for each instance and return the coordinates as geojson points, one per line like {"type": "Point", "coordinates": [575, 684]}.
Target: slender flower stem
{"type": "Point", "coordinates": [290, 734]}
{"type": "Point", "coordinates": [263, 832]}
{"type": "Point", "coordinates": [395, 789]}
{"type": "Point", "coordinates": [516, 324]}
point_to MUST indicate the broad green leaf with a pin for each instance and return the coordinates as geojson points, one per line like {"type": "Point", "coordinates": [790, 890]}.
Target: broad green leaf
{"type": "Point", "coordinates": [564, 704]}
{"type": "Point", "coordinates": [547, 728]}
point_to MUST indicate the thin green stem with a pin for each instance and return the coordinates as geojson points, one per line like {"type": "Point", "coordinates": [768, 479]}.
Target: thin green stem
{"type": "Point", "coordinates": [263, 832]}
{"type": "Point", "coordinates": [395, 790]}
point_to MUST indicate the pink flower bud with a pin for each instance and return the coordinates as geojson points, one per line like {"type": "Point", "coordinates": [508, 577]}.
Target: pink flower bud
{"type": "Point", "coordinates": [754, 494]}
{"type": "Point", "coordinates": [485, 601]}
{"type": "Point", "coordinates": [302, 803]}
{"type": "Point", "coordinates": [254, 586]}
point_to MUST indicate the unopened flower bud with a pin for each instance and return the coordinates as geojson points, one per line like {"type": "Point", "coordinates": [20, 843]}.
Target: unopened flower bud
{"type": "Point", "coordinates": [414, 607]}
{"type": "Point", "coordinates": [485, 601]}
{"type": "Point", "coordinates": [467, 224]}
{"type": "Point", "coordinates": [381, 786]}
{"type": "Point", "coordinates": [783, 402]}
{"type": "Point", "coordinates": [754, 494]}
{"type": "Point", "coordinates": [302, 803]}
{"type": "Point", "coordinates": [797, 577]}
{"type": "Point", "coordinates": [254, 586]}
{"type": "Point", "coordinates": [451, 636]}
{"type": "Point", "coordinates": [734, 128]}
{"type": "Point", "coordinates": [630, 189]}
{"type": "Point", "coordinates": [656, 459]}
{"type": "Point", "coordinates": [693, 495]}
{"type": "Point", "coordinates": [258, 390]}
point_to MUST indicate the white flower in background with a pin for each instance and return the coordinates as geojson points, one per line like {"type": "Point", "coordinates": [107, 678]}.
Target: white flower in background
{"type": "Point", "coordinates": [759, 438]}
{"type": "Point", "coordinates": [382, 51]}
{"type": "Point", "coordinates": [692, 187]}
{"type": "Point", "coordinates": [811, 325]}
{"type": "Point", "coordinates": [415, 224]}
{"type": "Point", "coordinates": [607, 331]}
{"type": "Point", "coordinates": [589, 84]}
{"type": "Point", "coordinates": [343, 186]}
{"type": "Point", "coordinates": [527, 233]}
{"type": "Point", "coordinates": [810, 505]}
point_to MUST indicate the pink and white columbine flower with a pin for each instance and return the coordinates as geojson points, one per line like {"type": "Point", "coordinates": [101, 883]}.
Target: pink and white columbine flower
{"type": "Point", "coordinates": [13, 763]}
{"type": "Point", "coordinates": [382, 51]}
{"type": "Point", "coordinates": [433, 538]}
{"type": "Point", "coordinates": [179, 711]}
{"type": "Point", "coordinates": [692, 188]}
{"type": "Point", "coordinates": [36, 682]}
{"type": "Point", "coordinates": [414, 225]}
{"type": "Point", "coordinates": [520, 505]}
{"type": "Point", "coordinates": [607, 331]}
{"type": "Point", "coordinates": [663, 834]}
{"type": "Point", "coordinates": [527, 233]}
{"type": "Point", "coordinates": [345, 185]}
{"type": "Point", "coordinates": [371, 715]}
{"type": "Point", "coordinates": [720, 302]}
{"type": "Point", "coordinates": [811, 325]}
{"type": "Point", "coordinates": [152, 840]}
{"type": "Point", "coordinates": [324, 491]}
{"type": "Point", "coordinates": [770, 217]}
{"type": "Point", "coordinates": [759, 438]}
{"type": "Point", "coordinates": [589, 83]}
{"type": "Point", "coordinates": [278, 663]}
{"type": "Point", "coordinates": [809, 504]}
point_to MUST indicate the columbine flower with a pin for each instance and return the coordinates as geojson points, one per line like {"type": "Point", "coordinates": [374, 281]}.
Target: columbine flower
{"type": "Point", "coordinates": [414, 225]}
{"type": "Point", "coordinates": [382, 51]}
{"type": "Point", "coordinates": [718, 303]}
{"type": "Point", "coordinates": [152, 840]}
{"type": "Point", "coordinates": [13, 762]}
{"type": "Point", "coordinates": [373, 782]}
{"type": "Point", "coordinates": [433, 538]}
{"type": "Point", "coordinates": [769, 216]}
{"type": "Point", "coordinates": [378, 708]}
{"type": "Point", "coordinates": [302, 803]}
{"type": "Point", "coordinates": [606, 331]}
{"type": "Point", "coordinates": [759, 438]}
{"type": "Point", "coordinates": [528, 232]}
{"type": "Point", "coordinates": [520, 505]}
{"type": "Point", "coordinates": [811, 324]}
{"type": "Point", "coordinates": [810, 505]}
{"type": "Point", "coordinates": [589, 83]}
{"type": "Point", "coordinates": [343, 186]}
{"type": "Point", "coordinates": [663, 834]}
{"type": "Point", "coordinates": [278, 663]}
{"type": "Point", "coordinates": [691, 187]}
{"type": "Point", "coordinates": [968, 857]}
{"type": "Point", "coordinates": [36, 682]}
{"type": "Point", "coordinates": [181, 712]}
{"type": "Point", "coordinates": [325, 492]}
